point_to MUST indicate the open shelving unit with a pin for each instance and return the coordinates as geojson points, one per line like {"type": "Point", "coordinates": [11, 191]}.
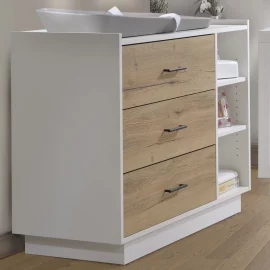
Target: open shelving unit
{"type": "Point", "coordinates": [233, 143]}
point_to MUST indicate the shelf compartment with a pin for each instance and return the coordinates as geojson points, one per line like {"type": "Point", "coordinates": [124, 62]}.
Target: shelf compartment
{"type": "Point", "coordinates": [225, 82]}
{"type": "Point", "coordinates": [231, 130]}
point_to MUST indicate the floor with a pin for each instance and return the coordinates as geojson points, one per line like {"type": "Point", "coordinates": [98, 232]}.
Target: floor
{"type": "Point", "coordinates": [241, 242]}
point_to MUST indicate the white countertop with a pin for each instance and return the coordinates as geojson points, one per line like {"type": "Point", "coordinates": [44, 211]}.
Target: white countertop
{"type": "Point", "coordinates": [213, 29]}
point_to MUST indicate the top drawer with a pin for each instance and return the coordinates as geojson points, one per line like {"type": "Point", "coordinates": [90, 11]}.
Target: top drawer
{"type": "Point", "coordinates": [146, 81]}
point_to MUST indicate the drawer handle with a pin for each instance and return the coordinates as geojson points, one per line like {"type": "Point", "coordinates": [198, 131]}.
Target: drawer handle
{"type": "Point", "coordinates": [182, 186]}
{"type": "Point", "coordinates": [175, 129]}
{"type": "Point", "coordinates": [174, 69]}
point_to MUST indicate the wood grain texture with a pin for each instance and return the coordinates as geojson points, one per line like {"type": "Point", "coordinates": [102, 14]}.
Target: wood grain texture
{"type": "Point", "coordinates": [243, 256]}
{"type": "Point", "coordinates": [144, 80]}
{"type": "Point", "coordinates": [262, 260]}
{"type": "Point", "coordinates": [146, 143]}
{"type": "Point", "coordinates": [232, 245]}
{"type": "Point", "coordinates": [145, 202]}
{"type": "Point", "coordinates": [190, 253]}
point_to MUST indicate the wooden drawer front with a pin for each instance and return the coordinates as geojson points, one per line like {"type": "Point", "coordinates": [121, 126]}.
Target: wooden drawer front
{"type": "Point", "coordinates": [144, 79]}
{"type": "Point", "coordinates": [145, 202]}
{"type": "Point", "coordinates": [146, 142]}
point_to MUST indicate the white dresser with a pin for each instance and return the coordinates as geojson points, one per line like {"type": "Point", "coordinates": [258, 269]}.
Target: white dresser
{"type": "Point", "coordinates": [115, 146]}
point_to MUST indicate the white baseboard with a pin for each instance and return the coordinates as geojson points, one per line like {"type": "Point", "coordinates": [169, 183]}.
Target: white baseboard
{"type": "Point", "coordinates": [74, 250]}
{"type": "Point", "coordinates": [124, 254]}
{"type": "Point", "coordinates": [10, 244]}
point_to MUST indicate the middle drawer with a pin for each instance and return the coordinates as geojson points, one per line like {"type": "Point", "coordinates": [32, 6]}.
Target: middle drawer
{"type": "Point", "coordinates": [167, 129]}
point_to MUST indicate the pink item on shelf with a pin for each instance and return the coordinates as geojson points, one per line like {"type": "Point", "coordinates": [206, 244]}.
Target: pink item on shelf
{"type": "Point", "coordinates": [224, 119]}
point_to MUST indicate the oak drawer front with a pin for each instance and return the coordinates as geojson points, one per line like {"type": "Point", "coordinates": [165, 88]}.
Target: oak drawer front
{"type": "Point", "coordinates": [145, 201]}
{"type": "Point", "coordinates": [144, 78]}
{"type": "Point", "coordinates": [146, 142]}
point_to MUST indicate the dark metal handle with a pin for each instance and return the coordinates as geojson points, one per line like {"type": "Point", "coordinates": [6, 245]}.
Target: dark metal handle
{"type": "Point", "coordinates": [176, 129]}
{"type": "Point", "coordinates": [174, 69]}
{"type": "Point", "coordinates": [182, 186]}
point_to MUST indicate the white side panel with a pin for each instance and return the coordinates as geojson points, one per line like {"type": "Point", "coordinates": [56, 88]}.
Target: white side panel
{"type": "Point", "coordinates": [66, 136]}
{"type": "Point", "coordinates": [75, 250]}
{"type": "Point", "coordinates": [264, 110]}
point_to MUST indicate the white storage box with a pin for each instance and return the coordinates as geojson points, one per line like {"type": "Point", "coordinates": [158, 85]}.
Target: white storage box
{"type": "Point", "coordinates": [227, 69]}
{"type": "Point", "coordinates": [130, 24]}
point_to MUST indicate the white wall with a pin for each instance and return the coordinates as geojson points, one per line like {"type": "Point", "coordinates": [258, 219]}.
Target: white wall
{"type": "Point", "coordinates": [124, 5]}
{"type": "Point", "coordinates": [183, 7]}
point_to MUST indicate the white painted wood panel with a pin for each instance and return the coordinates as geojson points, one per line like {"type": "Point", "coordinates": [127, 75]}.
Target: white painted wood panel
{"type": "Point", "coordinates": [231, 130]}
{"type": "Point", "coordinates": [225, 82]}
{"type": "Point", "coordinates": [67, 136]}
{"type": "Point", "coordinates": [78, 250]}
{"type": "Point", "coordinates": [264, 105]}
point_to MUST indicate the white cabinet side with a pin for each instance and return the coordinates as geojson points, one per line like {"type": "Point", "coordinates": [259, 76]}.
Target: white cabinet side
{"type": "Point", "coordinates": [234, 150]}
{"type": "Point", "coordinates": [66, 136]}
{"type": "Point", "coordinates": [264, 110]}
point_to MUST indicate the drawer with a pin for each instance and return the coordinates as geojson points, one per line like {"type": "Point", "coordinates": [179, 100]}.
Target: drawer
{"type": "Point", "coordinates": [146, 142]}
{"type": "Point", "coordinates": [144, 78]}
{"type": "Point", "coordinates": [145, 201]}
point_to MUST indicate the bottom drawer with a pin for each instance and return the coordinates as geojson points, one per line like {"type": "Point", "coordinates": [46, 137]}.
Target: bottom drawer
{"type": "Point", "coordinates": [165, 190]}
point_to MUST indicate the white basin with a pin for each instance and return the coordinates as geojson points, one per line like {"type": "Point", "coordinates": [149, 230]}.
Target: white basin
{"type": "Point", "coordinates": [130, 24]}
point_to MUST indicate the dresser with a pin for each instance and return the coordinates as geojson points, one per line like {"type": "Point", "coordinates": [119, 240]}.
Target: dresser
{"type": "Point", "coordinates": [115, 146]}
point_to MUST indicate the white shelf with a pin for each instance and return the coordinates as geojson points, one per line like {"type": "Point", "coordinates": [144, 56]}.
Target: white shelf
{"type": "Point", "coordinates": [231, 130]}
{"type": "Point", "coordinates": [233, 193]}
{"type": "Point", "coordinates": [225, 82]}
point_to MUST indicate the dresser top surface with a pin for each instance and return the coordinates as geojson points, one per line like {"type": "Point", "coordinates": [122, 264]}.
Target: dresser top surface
{"type": "Point", "coordinates": [213, 29]}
